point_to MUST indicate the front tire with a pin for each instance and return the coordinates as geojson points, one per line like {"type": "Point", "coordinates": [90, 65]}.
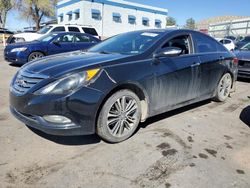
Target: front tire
{"type": "Point", "coordinates": [35, 55]}
{"type": "Point", "coordinates": [119, 116]}
{"type": "Point", "coordinates": [224, 87]}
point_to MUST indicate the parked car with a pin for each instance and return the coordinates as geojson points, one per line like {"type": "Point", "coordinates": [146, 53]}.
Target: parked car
{"type": "Point", "coordinates": [120, 82]}
{"type": "Point", "coordinates": [243, 42]}
{"type": "Point", "coordinates": [228, 43]}
{"type": "Point", "coordinates": [244, 61]}
{"type": "Point", "coordinates": [233, 38]}
{"type": "Point", "coordinates": [53, 43]}
{"type": "Point", "coordinates": [27, 36]}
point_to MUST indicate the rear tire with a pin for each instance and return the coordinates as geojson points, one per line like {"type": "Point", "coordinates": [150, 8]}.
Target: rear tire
{"type": "Point", "coordinates": [35, 55]}
{"type": "Point", "coordinates": [119, 116]}
{"type": "Point", "coordinates": [224, 87]}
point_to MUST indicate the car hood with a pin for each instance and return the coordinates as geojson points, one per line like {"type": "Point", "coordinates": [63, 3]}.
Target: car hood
{"type": "Point", "coordinates": [61, 64]}
{"type": "Point", "coordinates": [28, 36]}
{"type": "Point", "coordinates": [22, 44]}
{"type": "Point", "coordinates": [243, 55]}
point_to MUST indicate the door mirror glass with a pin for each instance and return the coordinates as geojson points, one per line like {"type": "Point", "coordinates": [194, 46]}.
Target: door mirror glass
{"type": "Point", "coordinates": [168, 52]}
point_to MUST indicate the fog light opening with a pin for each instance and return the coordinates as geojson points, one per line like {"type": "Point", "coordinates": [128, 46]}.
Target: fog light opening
{"type": "Point", "coordinates": [57, 119]}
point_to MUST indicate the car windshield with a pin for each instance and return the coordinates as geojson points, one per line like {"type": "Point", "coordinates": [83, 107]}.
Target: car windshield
{"type": "Point", "coordinates": [47, 37]}
{"type": "Point", "coordinates": [44, 30]}
{"type": "Point", "coordinates": [128, 43]}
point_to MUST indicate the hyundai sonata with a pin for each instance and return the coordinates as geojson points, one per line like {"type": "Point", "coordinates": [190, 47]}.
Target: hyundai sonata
{"type": "Point", "coordinates": [121, 82]}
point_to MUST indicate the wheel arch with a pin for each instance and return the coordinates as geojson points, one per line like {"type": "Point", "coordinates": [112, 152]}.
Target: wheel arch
{"type": "Point", "coordinates": [138, 90]}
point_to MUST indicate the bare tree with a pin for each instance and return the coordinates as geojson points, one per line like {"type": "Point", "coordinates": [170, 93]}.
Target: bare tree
{"type": "Point", "coordinates": [36, 9]}
{"type": "Point", "coordinates": [5, 7]}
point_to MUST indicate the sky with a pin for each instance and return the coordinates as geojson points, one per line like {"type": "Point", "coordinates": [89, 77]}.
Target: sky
{"type": "Point", "coordinates": [181, 10]}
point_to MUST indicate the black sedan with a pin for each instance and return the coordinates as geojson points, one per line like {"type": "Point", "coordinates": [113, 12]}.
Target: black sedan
{"type": "Point", "coordinates": [244, 61]}
{"type": "Point", "coordinates": [121, 82]}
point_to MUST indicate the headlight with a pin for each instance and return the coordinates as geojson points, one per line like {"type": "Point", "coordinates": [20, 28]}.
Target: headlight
{"type": "Point", "coordinates": [19, 49]}
{"type": "Point", "coordinates": [69, 83]}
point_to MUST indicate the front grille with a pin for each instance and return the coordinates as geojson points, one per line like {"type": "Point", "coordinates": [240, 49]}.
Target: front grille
{"type": "Point", "coordinates": [243, 63]}
{"type": "Point", "coordinates": [25, 81]}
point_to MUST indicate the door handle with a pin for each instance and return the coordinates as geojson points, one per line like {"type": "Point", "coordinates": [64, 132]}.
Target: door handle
{"type": "Point", "coordinates": [195, 64]}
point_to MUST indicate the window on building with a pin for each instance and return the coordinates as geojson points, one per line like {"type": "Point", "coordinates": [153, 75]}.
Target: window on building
{"type": "Point", "coordinates": [158, 23]}
{"type": "Point", "coordinates": [74, 29]}
{"type": "Point", "coordinates": [60, 16]}
{"type": "Point", "coordinates": [145, 21]}
{"type": "Point", "coordinates": [117, 17]}
{"type": "Point", "coordinates": [58, 29]}
{"type": "Point", "coordinates": [77, 14]}
{"type": "Point", "coordinates": [96, 14]}
{"type": "Point", "coordinates": [69, 15]}
{"type": "Point", "coordinates": [131, 19]}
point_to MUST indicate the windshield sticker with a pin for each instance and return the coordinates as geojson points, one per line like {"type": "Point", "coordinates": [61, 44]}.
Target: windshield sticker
{"type": "Point", "coordinates": [150, 34]}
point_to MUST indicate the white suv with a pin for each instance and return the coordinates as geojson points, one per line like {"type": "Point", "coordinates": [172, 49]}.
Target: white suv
{"type": "Point", "coordinates": [22, 37]}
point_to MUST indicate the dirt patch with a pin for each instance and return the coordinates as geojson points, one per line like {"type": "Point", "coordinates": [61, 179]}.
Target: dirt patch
{"type": "Point", "coordinates": [169, 152]}
{"type": "Point", "coordinates": [3, 117]}
{"type": "Point", "coordinates": [211, 152]}
{"type": "Point", "coordinates": [232, 107]}
{"type": "Point", "coordinates": [228, 137]}
{"type": "Point", "coordinates": [240, 171]}
{"type": "Point", "coordinates": [190, 139]}
{"type": "Point", "coordinates": [192, 165]}
{"type": "Point", "coordinates": [163, 146]}
{"type": "Point", "coordinates": [10, 178]}
{"type": "Point", "coordinates": [223, 158]}
{"type": "Point", "coordinates": [228, 146]}
{"type": "Point", "coordinates": [203, 156]}
{"type": "Point", "coordinates": [167, 185]}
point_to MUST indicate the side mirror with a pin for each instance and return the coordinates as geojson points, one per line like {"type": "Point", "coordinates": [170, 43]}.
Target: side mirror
{"type": "Point", "coordinates": [168, 52]}
{"type": "Point", "coordinates": [56, 43]}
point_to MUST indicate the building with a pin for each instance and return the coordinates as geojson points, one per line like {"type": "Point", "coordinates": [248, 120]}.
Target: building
{"type": "Point", "coordinates": [225, 25]}
{"type": "Point", "coordinates": [111, 17]}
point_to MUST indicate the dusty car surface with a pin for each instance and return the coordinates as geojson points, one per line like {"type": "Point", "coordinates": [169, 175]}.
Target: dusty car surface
{"type": "Point", "coordinates": [121, 82]}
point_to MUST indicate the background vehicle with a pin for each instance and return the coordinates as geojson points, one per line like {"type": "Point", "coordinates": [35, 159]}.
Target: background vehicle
{"type": "Point", "coordinates": [243, 42]}
{"type": "Point", "coordinates": [244, 61]}
{"type": "Point", "coordinates": [53, 43]}
{"type": "Point", "coordinates": [228, 43]}
{"type": "Point", "coordinates": [122, 81]}
{"type": "Point", "coordinates": [233, 38]}
{"type": "Point", "coordinates": [27, 36]}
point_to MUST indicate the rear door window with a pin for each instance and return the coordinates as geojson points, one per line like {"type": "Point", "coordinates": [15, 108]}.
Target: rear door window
{"type": "Point", "coordinates": [74, 29]}
{"type": "Point", "coordinates": [58, 29]}
{"type": "Point", "coordinates": [90, 31]}
{"type": "Point", "coordinates": [205, 44]}
{"type": "Point", "coordinates": [67, 38]}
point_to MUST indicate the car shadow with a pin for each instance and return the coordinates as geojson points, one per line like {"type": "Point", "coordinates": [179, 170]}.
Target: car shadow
{"type": "Point", "coordinates": [243, 80]}
{"type": "Point", "coordinates": [15, 65]}
{"type": "Point", "coordinates": [245, 116]}
{"type": "Point", "coordinates": [172, 113]}
{"type": "Point", "coordinates": [68, 140]}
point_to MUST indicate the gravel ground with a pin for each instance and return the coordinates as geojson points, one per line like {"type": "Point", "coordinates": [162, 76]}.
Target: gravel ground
{"type": "Point", "coordinates": [202, 145]}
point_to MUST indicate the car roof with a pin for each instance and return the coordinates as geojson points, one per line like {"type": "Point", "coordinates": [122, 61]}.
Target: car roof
{"type": "Point", "coordinates": [74, 25]}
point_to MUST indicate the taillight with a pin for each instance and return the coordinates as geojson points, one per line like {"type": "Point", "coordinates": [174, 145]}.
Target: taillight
{"type": "Point", "coordinates": [236, 61]}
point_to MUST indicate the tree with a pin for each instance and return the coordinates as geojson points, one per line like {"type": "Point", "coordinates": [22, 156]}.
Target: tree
{"type": "Point", "coordinates": [5, 6]}
{"type": "Point", "coordinates": [36, 9]}
{"type": "Point", "coordinates": [171, 21]}
{"type": "Point", "coordinates": [190, 23]}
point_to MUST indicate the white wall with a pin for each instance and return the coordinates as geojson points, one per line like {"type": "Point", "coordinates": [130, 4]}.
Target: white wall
{"type": "Point", "coordinates": [106, 26]}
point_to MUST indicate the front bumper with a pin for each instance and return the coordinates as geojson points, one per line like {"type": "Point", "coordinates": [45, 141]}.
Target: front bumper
{"type": "Point", "coordinates": [16, 57]}
{"type": "Point", "coordinates": [244, 72]}
{"type": "Point", "coordinates": [80, 107]}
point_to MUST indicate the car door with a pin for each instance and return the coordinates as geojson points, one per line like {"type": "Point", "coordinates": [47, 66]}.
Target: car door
{"type": "Point", "coordinates": [63, 43]}
{"type": "Point", "coordinates": [211, 57]}
{"type": "Point", "coordinates": [83, 41]}
{"type": "Point", "coordinates": [176, 78]}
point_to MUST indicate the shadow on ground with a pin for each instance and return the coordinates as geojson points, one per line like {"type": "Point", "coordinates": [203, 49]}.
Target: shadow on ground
{"type": "Point", "coordinates": [245, 116]}
{"type": "Point", "coordinates": [243, 80]}
{"type": "Point", "coordinates": [68, 140]}
{"type": "Point", "coordinates": [173, 113]}
{"type": "Point", "coordinates": [15, 65]}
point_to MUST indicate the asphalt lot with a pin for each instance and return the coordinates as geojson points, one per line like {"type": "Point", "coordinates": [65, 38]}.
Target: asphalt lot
{"type": "Point", "coordinates": [203, 145]}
